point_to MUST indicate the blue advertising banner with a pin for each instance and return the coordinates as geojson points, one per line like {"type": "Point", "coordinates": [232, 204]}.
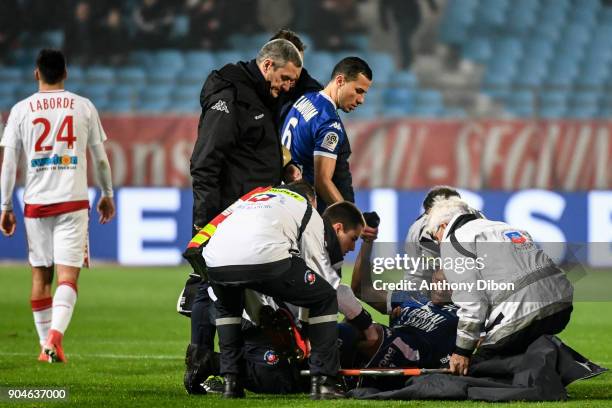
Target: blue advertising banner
{"type": "Point", "coordinates": [153, 225]}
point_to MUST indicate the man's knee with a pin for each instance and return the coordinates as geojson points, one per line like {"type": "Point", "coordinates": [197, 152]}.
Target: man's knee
{"type": "Point", "coordinates": [42, 278]}
{"type": "Point", "coordinates": [67, 273]}
{"type": "Point", "coordinates": [42, 275]}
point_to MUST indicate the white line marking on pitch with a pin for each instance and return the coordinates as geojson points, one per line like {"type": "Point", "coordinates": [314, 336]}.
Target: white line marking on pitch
{"type": "Point", "coordinates": [158, 357]}
{"type": "Point", "coordinates": [111, 356]}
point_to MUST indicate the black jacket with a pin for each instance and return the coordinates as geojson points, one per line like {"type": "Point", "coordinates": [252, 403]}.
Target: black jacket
{"type": "Point", "coordinates": [238, 147]}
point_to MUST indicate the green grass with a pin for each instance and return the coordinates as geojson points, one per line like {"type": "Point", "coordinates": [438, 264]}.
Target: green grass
{"type": "Point", "coordinates": [126, 344]}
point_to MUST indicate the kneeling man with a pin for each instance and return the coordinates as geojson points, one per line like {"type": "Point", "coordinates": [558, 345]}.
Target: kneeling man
{"type": "Point", "coordinates": [505, 286]}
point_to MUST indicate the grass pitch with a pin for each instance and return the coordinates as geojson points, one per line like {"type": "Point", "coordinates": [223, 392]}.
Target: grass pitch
{"type": "Point", "coordinates": [126, 344]}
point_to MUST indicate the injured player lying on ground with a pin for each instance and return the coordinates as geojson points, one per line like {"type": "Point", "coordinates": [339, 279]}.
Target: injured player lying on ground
{"type": "Point", "coordinates": [422, 333]}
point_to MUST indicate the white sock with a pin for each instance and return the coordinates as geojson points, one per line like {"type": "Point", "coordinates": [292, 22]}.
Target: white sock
{"type": "Point", "coordinates": [63, 305]}
{"type": "Point", "coordinates": [42, 310]}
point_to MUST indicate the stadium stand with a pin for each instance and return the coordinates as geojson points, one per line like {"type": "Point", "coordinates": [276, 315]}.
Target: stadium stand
{"type": "Point", "coordinates": [536, 53]}
{"type": "Point", "coordinates": [543, 58]}
{"type": "Point", "coordinates": [184, 71]}
{"type": "Point", "coordinates": [169, 76]}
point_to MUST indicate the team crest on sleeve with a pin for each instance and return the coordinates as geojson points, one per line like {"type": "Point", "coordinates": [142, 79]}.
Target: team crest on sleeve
{"type": "Point", "coordinates": [220, 106]}
{"type": "Point", "coordinates": [310, 277]}
{"type": "Point", "coordinates": [516, 237]}
{"type": "Point", "coordinates": [271, 358]}
{"type": "Point", "coordinates": [330, 141]}
{"type": "Point", "coordinates": [522, 240]}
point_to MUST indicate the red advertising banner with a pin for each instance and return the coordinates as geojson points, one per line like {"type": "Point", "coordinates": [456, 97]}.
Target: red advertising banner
{"type": "Point", "coordinates": [150, 150]}
{"type": "Point", "coordinates": [482, 154]}
{"type": "Point", "coordinates": [400, 153]}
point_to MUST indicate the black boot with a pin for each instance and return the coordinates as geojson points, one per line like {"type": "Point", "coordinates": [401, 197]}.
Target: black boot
{"type": "Point", "coordinates": [233, 386]}
{"type": "Point", "coordinates": [324, 387]}
{"type": "Point", "coordinates": [200, 364]}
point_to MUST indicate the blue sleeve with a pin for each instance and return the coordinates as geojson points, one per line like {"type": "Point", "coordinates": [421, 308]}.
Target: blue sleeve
{"type": "Point", "coordinates": [328, 139]}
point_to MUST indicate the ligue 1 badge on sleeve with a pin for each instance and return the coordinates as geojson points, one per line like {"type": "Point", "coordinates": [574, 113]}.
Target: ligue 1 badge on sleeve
{"type": "Point", "coordinates": [330, 141]}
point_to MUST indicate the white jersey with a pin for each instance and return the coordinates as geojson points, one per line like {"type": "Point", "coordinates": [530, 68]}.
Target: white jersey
{"type": "Point", "coordinates": [264, 229]}
{"type": "Point", "coordinates": [54, 129]}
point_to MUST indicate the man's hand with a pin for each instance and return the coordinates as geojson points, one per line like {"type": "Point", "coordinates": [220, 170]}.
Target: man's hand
{"type": "Point", "coordinates": [292, 173]}
{"type": "Point", "coordinates": [371, 333]}
{"type": "Point", "coordinates": [106, 209]}
{"type": "Point", "coordinates": [373, 337]}
{"type": "Point", "coordinates": [459, 364]}
{"type": "Point", "coordinates": [369, 234]}
{"type": "Point", "coordinates": [8, 223]}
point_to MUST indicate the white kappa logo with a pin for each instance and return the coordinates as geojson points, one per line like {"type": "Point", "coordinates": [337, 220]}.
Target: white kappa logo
{"type": "Point", "coordinates": [259, 116]}
{"type": "Point", "coordinates": [336, 125]}
{"type": "Point", "coordinates": [330, 141]}
{"type": "Point", "coordinates": [221, 106]}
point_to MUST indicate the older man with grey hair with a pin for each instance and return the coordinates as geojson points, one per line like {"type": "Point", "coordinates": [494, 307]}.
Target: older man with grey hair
{"type": "Point", "coordinates": [506, 287]}
{"type": "Point", "coordinates": [237, 149]}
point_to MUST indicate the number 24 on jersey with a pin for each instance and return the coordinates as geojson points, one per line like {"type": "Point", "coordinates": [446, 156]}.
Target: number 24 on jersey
{"type": "Point", "coordinates": [64, 134]}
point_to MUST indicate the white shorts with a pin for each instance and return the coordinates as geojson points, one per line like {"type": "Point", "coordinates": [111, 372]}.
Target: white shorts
{"type": "Point", "coordinates": [60, 239]}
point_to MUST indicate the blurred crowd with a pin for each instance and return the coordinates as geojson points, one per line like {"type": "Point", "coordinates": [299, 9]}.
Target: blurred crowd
{"type": "Point", "coordinates": [103, 31]}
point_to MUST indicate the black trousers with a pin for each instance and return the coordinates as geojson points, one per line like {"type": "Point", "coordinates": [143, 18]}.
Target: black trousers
{"type": "Point", "coordinates": [203, 315]}
{"type": "Point", "coordinates": [297, 285]}
{"type": "Point", "coordinates": [518, 342]}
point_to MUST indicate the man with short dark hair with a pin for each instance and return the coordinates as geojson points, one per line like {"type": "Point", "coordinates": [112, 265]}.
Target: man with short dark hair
{"type": "Point", "coordinates": [290, 36]}
{"type": "Point", "coordinates": [278, 372]}
{"type": "Point", "coordinates": [416, 230]}
{"type": "Point", "coordinates": [288, 252]}
{"type": "Point", "coordinates": [316, 136]}
{"type": "Point", "coordinates": [55, 128]}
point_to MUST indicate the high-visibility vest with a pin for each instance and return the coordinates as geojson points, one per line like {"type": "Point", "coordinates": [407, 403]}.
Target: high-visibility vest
{"type": "Point", "coordinates": [193, 253]}
{"type": "Point", "coordinates": [202, 237]}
